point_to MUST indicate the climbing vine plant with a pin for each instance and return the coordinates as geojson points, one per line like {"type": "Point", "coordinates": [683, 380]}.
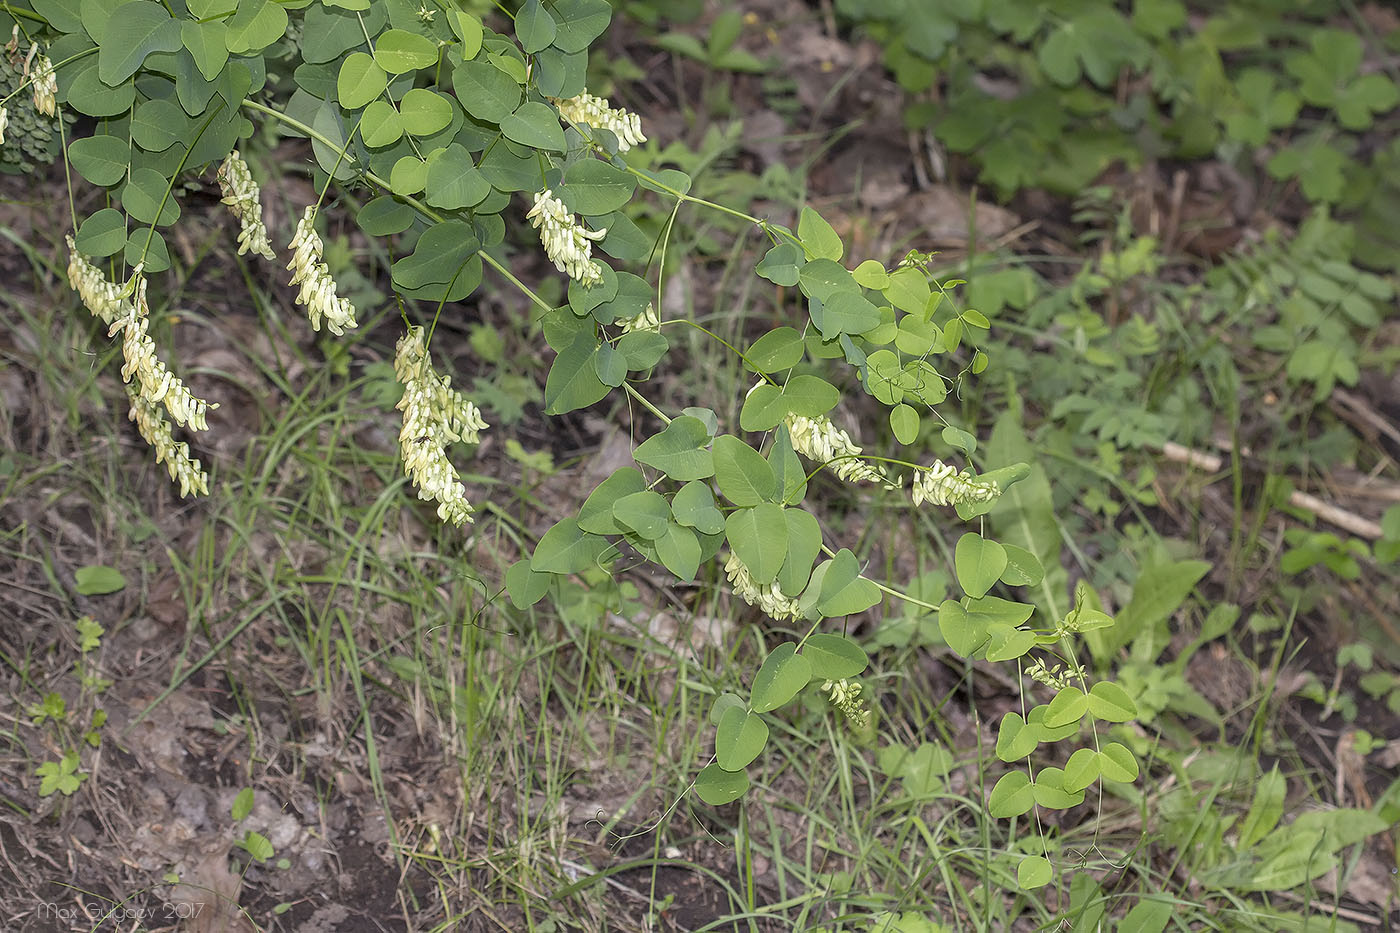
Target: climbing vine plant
{"type": "Point", "coordinates": [447, 121]}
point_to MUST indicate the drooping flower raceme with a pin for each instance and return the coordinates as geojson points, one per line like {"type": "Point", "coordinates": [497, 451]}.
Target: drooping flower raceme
{"type": "Point", "coordinates": [818, 439]}
{"type": "Point", "coordinates": [566, 243]}
{"type": "Point", "coordinates": [183, 469]}
{"type": "Point", "coordinates": [4, 123]}
{"type": "Point", "coordinates": [845, 696]}
{"type": "Point", "coordinates": [44, 82]}
{"type": "Point", "coordinates": [770, 598]}
{"type": "Point", "coordinates": [434, 415]}
{"type": "Point", "coordinates": [242, 196]}
{"type": "Point", "coordinates": [596, 111]}
{"type": "Point", "coordinates": [157, 384]}
{"type": "Point", "coordinates": [103, 298]}
{"type": "Point", "coordinates": [317, 287]}
{"type": "Point", "coordinates": [942, 484]}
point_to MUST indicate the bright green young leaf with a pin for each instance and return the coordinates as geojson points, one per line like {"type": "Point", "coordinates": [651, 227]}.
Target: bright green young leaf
{"type": "Point", "coordinates": [526, 586]}
{"type": "Point", "coordinates": [399, 51]}
{"type": "Point", "coordinates": [1035, 721]}
{"type": "Point", "coordinates": [962, 632]}
{"type": "Point", "coordinates": [871, 274]}
{"type": "Point", "coordinates": [425, 112]}
{"type": "Point", "coordinates": [1034, 871]}
{"type": "Point", "coordinates": [843, 590]}
{"type": "Point", "coordinates": [777, 350]}
{"type": "Point", "coordinates": [679, 451]}
{"type": "Point", "coordinates": [1069, 706]}
{"type": "Point", "coordinates": [256, 25]}
{"type": "Point", "coordinates": [744, 477]}
{"type": "Point", "coordinates": [97, 580]}
{"type": "Point", "coordinates": [716, 786]}
{"type": "Point", "coordinates": [804, 536]}
{"type": "Point", "coordinates": [1081, 770]}
{"type": "Point", "coordinates": [843, 312]}
{"type": "Point", "coordinates": [360, 81]}
{"type": "Point", "coordinates": [408, 176]}
{"type": "Point", "coordinates": [1116, 763]}
{"type": "Point", "coordinates": [566, 548]}
{"type": "Point", "coordinates": [1111, 703]}
{"type": "Point", "coordinates": [1022, 567]}
{"type": "Point", "coordinates": [694, 506]}
{"type": "Point", "coordinates": [818, 239]}
{"type": "Point", "coordinates": [781, 264]}
{"type": "Point", "coordinates": [908, 290]}
{"type": "Point", "coordinates": [468, 29]}
{"type": "Point", "coordinates": [242, 804]}
{"type": "Point", "coordinates": [739, 738]}
{"type": "Point", "coordinates": [1012, 795]}
{"type": "Point", "coordinates": [1005, 643]}
{"type": "Point", "coordinates": [645, 513]}
{"type": "Point", "coordinates": [1014, 740]}
{"type": "Point", "coordinates": [979, 563]}
{"type": "Point", "coordinates": [781, 677]}
{"type": "Point", "coordinates": [1148, 916]}
{"type": "Point", "coordinates": [257, 845]}
{"type": "Point", "coordinates": [102, 234]}
{"type": "Point", "coordinates": [381, 125]}
{"type": "Point", "coordinates": [678, 548]}
{"type": "Point", "coordinates": [596, 514]}
{"type": "Point", "coordinates": [758, 537]}
{"type": "Point", "coordinates": [723, 703]}
{"type": "Point", "coordinates": [834, 657]}
{"type": "Point", "coordinates": [1050, 791]}
{"type": "Point", "coordinates": [904, 423]}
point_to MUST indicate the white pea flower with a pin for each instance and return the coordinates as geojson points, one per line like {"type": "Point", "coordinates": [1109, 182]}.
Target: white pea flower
{"type": "Point", "coordinates": [942, 484]}
{"type": "Point", "coordinates": [242, 196]}
{"type": "Point", "coordinates": [157, 384]}
{"type": "Point", "coordinates": [44, 82]}
{"type": "Point", "coordinates": [770, 598]}
{"type": "Point", "coordinates": [4, 123]}
{"type": "Point", "coordinates": [434, 415]}
{"type": "Point", "coordinates": [566, 243]}
{"type": "Point", "coordinates": [103, 298]}
{"type": "Point", "coordinates": [176, 456]}
{"type": "Point", "coordinates": [845, 696]}
{"type": "Point", "coordinates": [818, 439]}
{"type": "Point", "coordinates": [317, 287]}
{"type": "Point", "coordinates": [648, 320]}
{"type": "Point", "coordinates": [595, 111]}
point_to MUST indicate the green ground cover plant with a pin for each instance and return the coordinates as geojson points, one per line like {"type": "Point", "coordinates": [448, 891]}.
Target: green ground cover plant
{"type": "Point", "coordinates": [459, 150]}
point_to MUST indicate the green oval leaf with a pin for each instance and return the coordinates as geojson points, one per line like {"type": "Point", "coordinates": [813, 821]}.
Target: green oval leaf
{"type": "Point", "coordinates": [425, 112]}
{"type": "Point", "coordinates": [979, 563]}
{"type": "Point", "coordinates": [593, 187]}
{"type": "Point", "coordinates": [535, 29]}
{"type": "Point", "coordinates": [834, 657]}
{"type": "Point", "coordinates": [645, 513]}
{"type": "Point", "coordinates": [98, 580]}
{"type": "Point", "coordinates": [1111, 703]}
{"type": "Point", "coordinates": [102, 234]}
{"type": "Point", "coordinates": [1081, 770]}
{"type": "Point", "coordinates": [1116, 763]}
{"type": "Point", "coordinates": [744, 477]}
{"type": "Point", "coordinates": [566, 548]}
{"type": "Point", "coordinates": [360, 81]}
{"type": "Point", "coordinates": [102, 160]}
{"type": "Point", "coordinates": [256, 25]}
{"type": "Point", "coordinates": [758, 536]}
{"type": "Point", "coordinates": [398, 51]}
{"type": "Point", "coordinates": [716, 786]}
{"type": "Point", "coordinates": [534, 124]}
{"type": "Point", "coordinates": [779, 349]}
{"type": "Point", "coordinates": [381, 126]}
{"type": "Point", "coordinates": [596, 514]}
{"type": "Point", "coordinates": [783, 675]}
{"type": "Point", "coordinates": [1069, 706]}
{"type": "Point", "coordinates": [133, 31]}
{"type": "Point", "coordinates": [1012, 796]}
{"type": "Point", "coordinates": [1034, 871]}
{"type": "Point", "coordinates": [679, 451]}
{"type": "Point", "coordinates": [1014, 740]}
{"type": "Point", "coordinates": [739, 738]}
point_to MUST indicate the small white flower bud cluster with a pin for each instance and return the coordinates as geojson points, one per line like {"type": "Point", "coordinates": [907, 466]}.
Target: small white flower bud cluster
{"type": "Point", "coordinates": [942, 484]}
{"type": "Point", "coordinates": [124, 309]}
{"type": "Point", "coordinates": [434, 415]}
{"type": "Point", "coordinates": [845, 696]}
{"type": "Point", "coordinates": [596, 111]}
{"type": "Point", "coordinates": [1055, 677]}
{"type": "Point", "coordinates": [176, 456]}
{"type": "Point", "coordinates": [770, 598]}
{"type": "Point", "coordinates": [242, 196]}
{"type": "Point", "coordinates": [317, 287]}
{"type": "Point", "coordinates": [818, 439]}
{"type": "Point", "coordinates": [566, 243]}
{"type": "Point", "coordinates": [103, 298]}
{"type": "Point", "coordinates": [158, 385]}
{"type": "Point", "coordinates": [43, 80]}
{"type": "Point", "coordinates": [648, 320]}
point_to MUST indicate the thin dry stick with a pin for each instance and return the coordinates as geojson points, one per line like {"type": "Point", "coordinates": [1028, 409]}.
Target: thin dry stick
{"type": "Point", "coordinates": [1333, 515]}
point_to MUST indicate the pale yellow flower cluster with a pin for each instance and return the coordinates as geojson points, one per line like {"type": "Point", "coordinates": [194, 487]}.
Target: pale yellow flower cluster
{"type": "Point", "coordinates": [317, 287]}
{"type": "Point", "coordinates": [648, 320]}
{"type": "Point", "coordinates": [845, 696]}
{"type": "Point", "coordinates": [566, 243]}
{"type": "Point", "coordinates": [818, 439]}
{"type": "Point", "coordinates": [44, 82]}
{"type": "Point", "coordinates": [770, 598]}
{"type": "Point", "coordinates": [4, 123]}
{"type": "Point", "coordinates": [434, 415]}
{"type": "Point", "coordinates": [595, 111]}
{"type": "Point", "coordinates": [1055, 676]}
{"type": "Point", "coordinates": [124, 309]}
{"type": "Point", "coordinates": [183, 468]}
{"type": "Point", "coordinates": [943, 484]}
{"type": "Point", "coordinates": [242, 196]}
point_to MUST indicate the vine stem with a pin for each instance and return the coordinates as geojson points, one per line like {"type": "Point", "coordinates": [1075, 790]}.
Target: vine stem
{"type": "Point", "coordinates": [496, 264]}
